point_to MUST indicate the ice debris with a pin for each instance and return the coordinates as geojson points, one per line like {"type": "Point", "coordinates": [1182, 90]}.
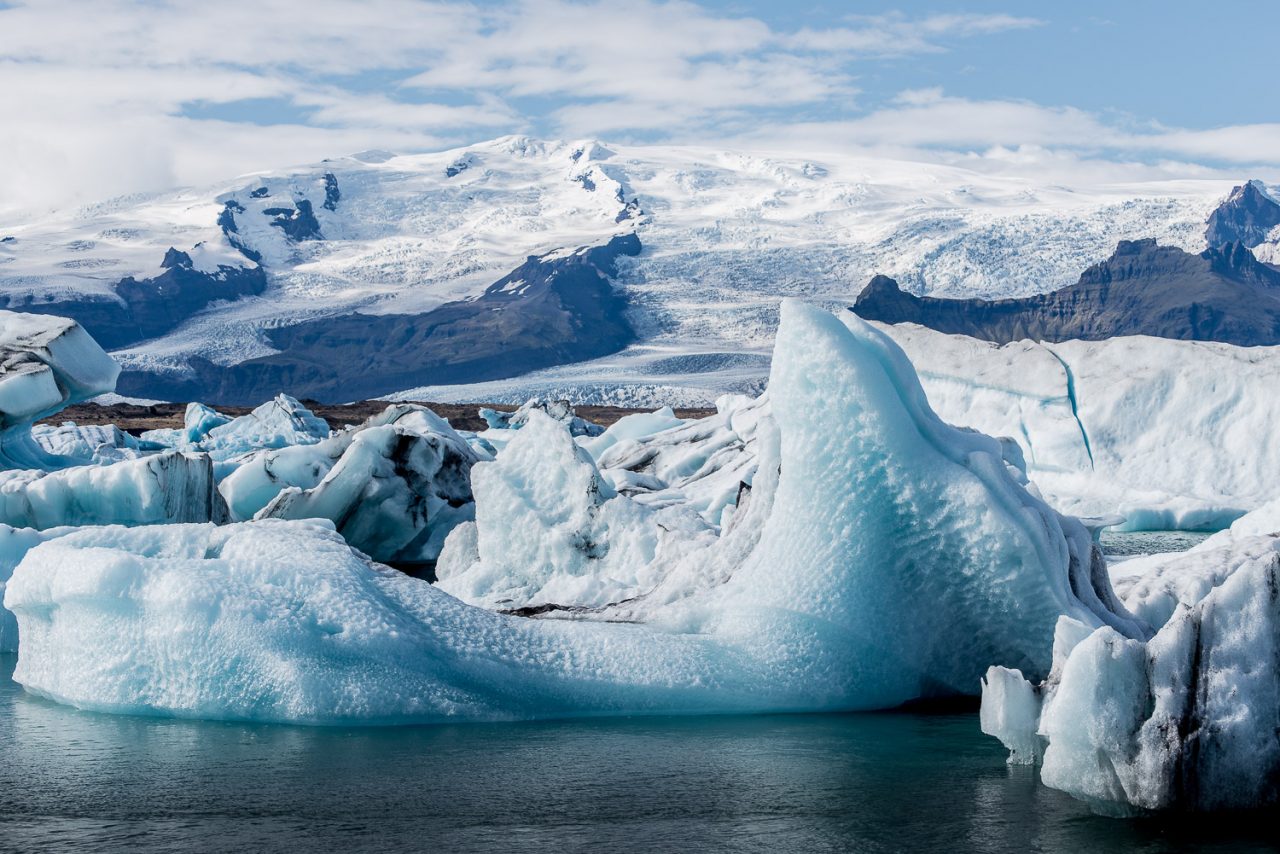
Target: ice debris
{"type": "Point", "coordinates": [46, 364]}
{"type": "Point", "coordinates": [1185, 720]}
{"type": "Point", "coordinates": [878, 556]}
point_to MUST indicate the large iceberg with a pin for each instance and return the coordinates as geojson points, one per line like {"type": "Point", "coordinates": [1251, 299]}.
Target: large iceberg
{"type": "Point", "coordinates": [878, 556]}
{"type": "Point", "coordinates": [1185, 720]}
{"type": "Point", "coordinates": [46, 363]}
{"type": "Point", "coordinates": [1171, 434]}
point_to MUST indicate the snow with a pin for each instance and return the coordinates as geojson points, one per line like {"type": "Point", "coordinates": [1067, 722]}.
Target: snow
{"type": "Point", "coordinates": [1170, 434]}
{"type": "Point", "coordinates": [878, 555]}
{"type": "Point", "coordinates": [726, 234]}
{"type": "Point", "coordinates": [46, 364]}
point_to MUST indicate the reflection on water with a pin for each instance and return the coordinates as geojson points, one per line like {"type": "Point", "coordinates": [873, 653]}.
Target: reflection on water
{"type": "Point", "coordinates": [889, 782]}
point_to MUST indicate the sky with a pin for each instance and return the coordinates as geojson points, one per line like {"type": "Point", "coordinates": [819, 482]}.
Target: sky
{"type": "Point", "coordinates": [107, 97]}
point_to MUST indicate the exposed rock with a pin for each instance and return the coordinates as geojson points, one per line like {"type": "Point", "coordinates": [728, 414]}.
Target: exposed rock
{"type": "Point", "coordinates": [552, 310]}
{"type": "Point", "coordinates": [1222, 294]}
{"type": "Point", "coordinates": [1247, 216]}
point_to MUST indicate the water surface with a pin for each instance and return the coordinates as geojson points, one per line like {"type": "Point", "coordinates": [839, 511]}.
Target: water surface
{"type": "Point", "coordinates": [72, 780]}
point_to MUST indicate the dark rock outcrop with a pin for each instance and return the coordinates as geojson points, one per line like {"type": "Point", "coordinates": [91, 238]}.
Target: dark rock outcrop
{"type": "Point", "coordinates": [1247, 216]}
{"type": "Point", "coordinates": [148, 308]}
{"type": "Point", "coordinates": [298, 223]}
{"type": "Point", "coordinates": [332, 195]}
{"type": "Point", "coordinates": [551, 310]}
{"type": "Point", "coordinates": [1222, 294]}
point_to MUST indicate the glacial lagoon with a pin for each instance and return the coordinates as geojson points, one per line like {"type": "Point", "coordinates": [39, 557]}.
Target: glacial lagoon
{"type": "Point", "coordinates": [80, 781]}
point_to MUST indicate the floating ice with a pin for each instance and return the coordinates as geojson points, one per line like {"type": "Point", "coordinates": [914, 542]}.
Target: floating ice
{"type": "Point", "coordinates": [559, 410]}
{"type": "Point", "coordinates": [550, 531]}
{"type": "Point", "coordinates": [703, 464]}
{"type": "Point", "coordinates": [46, 364]}
{"type": "Point", "coordinates": [395, 486]}
{"type": "Point", "coordinates": [14, 545]}
{"type": "Point", "coordinates": [154, 490]}
{"type": "Point", "coordinates": [878, 556]}
{"type": "Point", "coordinates": [1186, 720]}
{"type": "Point", "coordinates": [199, 419]}
{"type": "Point", "coordinates": [1172, 434]}
{"type": "Point", "coordinates": [100, 444]}
{"type": "Point", "coordinates": [278, 423]}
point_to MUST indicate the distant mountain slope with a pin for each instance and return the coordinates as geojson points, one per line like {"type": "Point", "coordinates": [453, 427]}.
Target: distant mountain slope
{"type": "Point", "coordinates": [1247, 216]}
{"type": "Point", "coordinates": [552, 310]}
{"type": "Point", "coordinates": [726, 235]}
{"type": "Point", "coordinates": [138, 309]}
{"type": "Point", "coordinates": [1222, 294]}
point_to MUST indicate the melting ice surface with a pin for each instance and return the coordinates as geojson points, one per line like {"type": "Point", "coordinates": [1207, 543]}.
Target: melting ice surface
{"type": "Point", "coordinates": [882, 556]}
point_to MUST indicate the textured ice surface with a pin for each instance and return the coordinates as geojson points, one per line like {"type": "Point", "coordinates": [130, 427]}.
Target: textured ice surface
{"type": "Point", "coordinates": [89, 443]}
{"type": "Point", "coordinates": [1172, 434]}
{"type": "Point", "coordinates": [1185, 720]}
{"type": "Point", "coordinates": [394, 486]}
{"type": "Point", "coordinates": [14, 545]}
{"type": "Point", "coordinates": [880, 555]}
{"type": "Point", "coordinates": [170, 487]}
{"type": "Point", "coordinates": [550, 530]}
{"type": "Point", "coordinates": [558, 410]}
{"type": "Point", "coordinates": [703, 464]}
{"type": "Point", "coordinates": [278, 423]}
{"type": "Point", "coordinates": [46, 363]}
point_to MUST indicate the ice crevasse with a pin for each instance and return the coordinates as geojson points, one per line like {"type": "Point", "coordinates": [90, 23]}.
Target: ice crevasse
{"type": "Point", "coordinates": [882, 556]}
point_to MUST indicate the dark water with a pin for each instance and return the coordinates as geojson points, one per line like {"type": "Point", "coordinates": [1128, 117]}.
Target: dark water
{"type": "Point", "coordinates": [1130, 543]}
{"type": "Point", "coordinates": [902, 782]}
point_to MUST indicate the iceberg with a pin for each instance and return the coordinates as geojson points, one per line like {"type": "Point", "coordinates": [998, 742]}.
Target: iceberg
{"type": "Point", "coordinates": [552, 534]}
{"type": "Point", "coordinates": [14, 545]}
{"type": "Point", "coordinates": [1170, 434]}
{"type": "Point", "coordinates": [99, 444]}
{"type": "Point", "coordinates": [153, 490]}
{"type": "Point", "coordinates": [394, 486]}
{"type": "Point", "coordinates": [559, 410]}
{"type": "Point", "coordinates": [879, 556]}
{"type": "Point", "coordinates": [1184, 720]}
{"type": "Point", "coordinates": [46, 364]}
{"type": "Point", "coordinates": [704, 464]}
{"type": "Point", "coordinates": [279, 423]}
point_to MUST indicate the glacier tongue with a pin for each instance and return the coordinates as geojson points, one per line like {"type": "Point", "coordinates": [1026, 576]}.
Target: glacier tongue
{"type": "Point", "coordinates": [878, 556]}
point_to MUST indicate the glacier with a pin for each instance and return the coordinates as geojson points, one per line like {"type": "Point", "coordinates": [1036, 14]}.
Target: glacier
{"type": "Point", "coordinates": [878, 556]}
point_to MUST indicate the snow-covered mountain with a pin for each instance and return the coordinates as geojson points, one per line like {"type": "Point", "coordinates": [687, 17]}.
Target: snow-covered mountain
{"type": "Point", "coordinates": [725, 235]}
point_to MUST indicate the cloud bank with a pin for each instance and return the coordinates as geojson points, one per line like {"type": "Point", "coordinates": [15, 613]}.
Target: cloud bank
{"type": "Point", "coordinates": [114, 96]}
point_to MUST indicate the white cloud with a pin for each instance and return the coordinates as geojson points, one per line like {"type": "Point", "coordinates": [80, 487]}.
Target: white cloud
{"type": "Point", "coordinates": [98, 92]}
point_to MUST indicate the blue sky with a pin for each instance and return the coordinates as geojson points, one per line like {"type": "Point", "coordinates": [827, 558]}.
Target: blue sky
{"type": "Point", "coordinates": [111, 96]}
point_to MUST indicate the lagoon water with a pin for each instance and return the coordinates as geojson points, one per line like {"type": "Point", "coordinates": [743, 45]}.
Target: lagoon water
{"type": "Point", "coordinates": [73, 780]}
